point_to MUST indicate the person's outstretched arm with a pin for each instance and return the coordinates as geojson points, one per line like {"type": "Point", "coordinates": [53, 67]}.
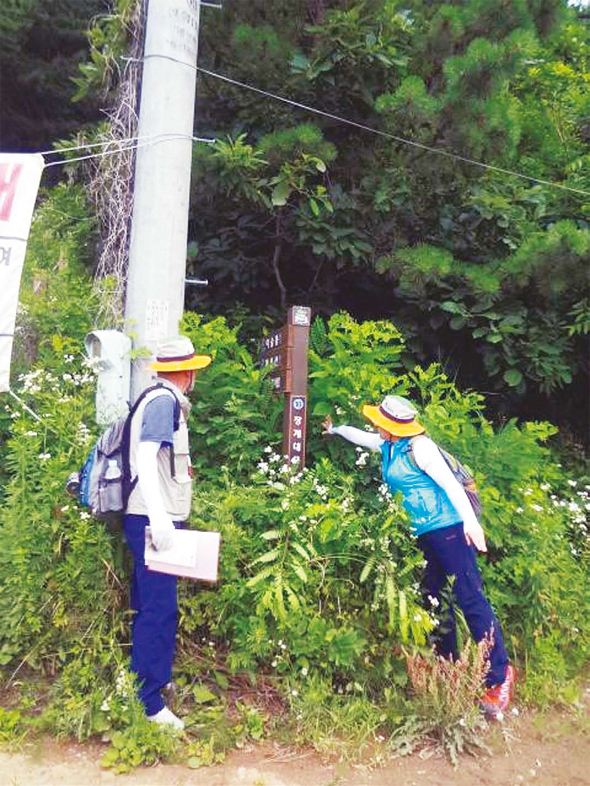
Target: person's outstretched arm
{"type": "Point", "coordinates": [365, 439]}
{"type": "Point", "coordinates": [429, 458]}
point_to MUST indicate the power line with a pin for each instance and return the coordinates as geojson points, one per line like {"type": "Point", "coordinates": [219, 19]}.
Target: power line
{"type": "Point", "coordinates": [387, 135]}
{"type": "Point", "coordinates": [122, 147]}
{"type": "Point", "coordinates": [363, 127]}
{"type": "Point", "coordinates": [106, 143]}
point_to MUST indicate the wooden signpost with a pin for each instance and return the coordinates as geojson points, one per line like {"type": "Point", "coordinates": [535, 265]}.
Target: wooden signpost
{"type": "Point", "coordinates": [285, 350]}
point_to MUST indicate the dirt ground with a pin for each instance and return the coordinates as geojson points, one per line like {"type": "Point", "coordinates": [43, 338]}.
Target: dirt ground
{"type": "Point", "coordinates": [529, 750]}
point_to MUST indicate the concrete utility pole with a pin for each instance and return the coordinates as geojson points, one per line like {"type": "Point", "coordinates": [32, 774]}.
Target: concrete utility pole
{"type": "Point", "coordinates": [157, 254]}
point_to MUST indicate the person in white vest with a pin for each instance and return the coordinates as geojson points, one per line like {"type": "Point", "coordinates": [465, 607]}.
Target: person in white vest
{"type": "Point", "coordinates": [159, 458]}
{"type": "Point", "coordinates": [448, 532]}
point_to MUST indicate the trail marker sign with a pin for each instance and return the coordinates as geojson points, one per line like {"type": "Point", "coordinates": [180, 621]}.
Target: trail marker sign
{"type": "Point", "coordinates": [285, 350]}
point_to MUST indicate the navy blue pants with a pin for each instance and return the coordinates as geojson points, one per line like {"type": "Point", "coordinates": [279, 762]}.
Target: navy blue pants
{"type": "Point", "coordinates": [153, 598]}
{"type": "Point", "coordinates": [448, 555]}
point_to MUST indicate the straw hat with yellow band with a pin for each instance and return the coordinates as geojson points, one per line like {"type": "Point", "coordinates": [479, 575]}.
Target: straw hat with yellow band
{"type": "Point", "coordinates": [178, 354]}
{"type": "Point", "coordinates": [395, 415]}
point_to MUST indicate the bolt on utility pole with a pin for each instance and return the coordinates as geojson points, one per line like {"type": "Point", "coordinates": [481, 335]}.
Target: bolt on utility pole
{"type": "Point", "coordinates": [159, 226]}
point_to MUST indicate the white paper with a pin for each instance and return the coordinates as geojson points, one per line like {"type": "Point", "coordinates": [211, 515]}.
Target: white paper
{"type": "Point", "coordinates": [193, 553]}
{"type": "Point", "coordinates": [156, 319]}
{"type": "Point", "coordinates": [19, 181]}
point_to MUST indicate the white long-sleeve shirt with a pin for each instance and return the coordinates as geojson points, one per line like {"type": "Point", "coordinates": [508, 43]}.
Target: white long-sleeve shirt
{"type": "Point", "coordinates": [429, 458]}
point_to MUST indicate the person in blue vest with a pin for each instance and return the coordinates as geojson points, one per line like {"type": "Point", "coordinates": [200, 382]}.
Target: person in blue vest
{"type": "Point", "coordinates": [161, 499]}
{"type": "Point", "coordinates": [447, 529]}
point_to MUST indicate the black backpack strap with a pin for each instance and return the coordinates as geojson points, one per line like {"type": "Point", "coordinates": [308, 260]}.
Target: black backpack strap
{"type": "Point", "coordinates": [129, 484]}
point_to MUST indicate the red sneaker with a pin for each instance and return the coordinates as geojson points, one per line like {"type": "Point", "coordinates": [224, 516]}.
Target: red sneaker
{"type": "Point", "coordinates": [496, 699]}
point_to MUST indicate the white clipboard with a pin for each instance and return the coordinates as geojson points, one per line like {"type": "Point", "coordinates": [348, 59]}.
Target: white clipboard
{"type": "Point", "coordinates": [193, 554]}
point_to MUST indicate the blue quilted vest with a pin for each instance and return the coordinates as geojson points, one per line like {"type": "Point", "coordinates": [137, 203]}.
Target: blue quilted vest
{"type": "Point", "coordinates": [427, 504]}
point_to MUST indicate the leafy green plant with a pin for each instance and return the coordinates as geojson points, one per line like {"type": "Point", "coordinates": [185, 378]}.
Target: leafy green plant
{"type": "Point", "coordinates": [444, 699]}
{"type": "Point", "coordinates": [12, 729]}
{"type": "Point", "coordinates": [145, 743]}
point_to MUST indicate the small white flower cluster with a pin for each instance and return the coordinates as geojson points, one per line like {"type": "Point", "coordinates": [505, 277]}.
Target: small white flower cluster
{"type": "Point", "coordinates": [77, 380]}
{"type": "Point", "coordinates": [84, 434]}
{"type": "Point", "coordinates": [124, 684]}
{"type": "Point", "coordinates": [320, 489]}
{"type": "Point", "coordinates": [281, 652]}
{"type": "Point", "coordinates": [275, 473]}
{"type": "Point", "coordinates": [34, 380]}
{"type": "Point", "coordinates": [384, 493]}
{"type": "Point", "coordinates": [44, 456]}
{"type": "Point", "coordinates": [346, 504]}
{"type": "Point", "coordinates": [363, 455]}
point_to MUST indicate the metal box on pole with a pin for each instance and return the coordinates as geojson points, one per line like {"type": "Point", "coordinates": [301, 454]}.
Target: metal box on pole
{"type": "Point", "coordinates": [109, 352]}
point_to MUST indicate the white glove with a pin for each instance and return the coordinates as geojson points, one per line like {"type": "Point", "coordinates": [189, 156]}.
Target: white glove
{"type": "Point", "coordinates": [474, 534]}
{"type": "Point", "coordinates": [162, 531]}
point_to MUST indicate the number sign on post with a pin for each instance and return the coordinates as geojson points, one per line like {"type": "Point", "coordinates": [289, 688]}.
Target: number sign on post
{"type": "Point", "coordinates": [285, 350]}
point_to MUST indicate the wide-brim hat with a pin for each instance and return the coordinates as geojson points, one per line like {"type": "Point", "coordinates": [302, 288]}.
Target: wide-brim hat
{"type": "Point", "coordinates": [395, 415]}
{"type": "Point", "coordinates": [178, 354]}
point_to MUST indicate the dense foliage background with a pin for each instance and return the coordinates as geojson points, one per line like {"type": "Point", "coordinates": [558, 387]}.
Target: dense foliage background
{"type": "Point", "coordinates": [429, 277]}
{"type": "Point", "coordinates": [483, 271]}
{"type": "Point", "coordinates": [42, 44]}
{"type": "Point", "coordinates": [293, 206]}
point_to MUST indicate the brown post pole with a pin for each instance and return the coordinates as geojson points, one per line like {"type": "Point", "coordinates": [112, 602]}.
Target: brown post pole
{"type": "Point", "coordinates": [295, 418]}
{"type": "Point", "coordinates": [285, 351]}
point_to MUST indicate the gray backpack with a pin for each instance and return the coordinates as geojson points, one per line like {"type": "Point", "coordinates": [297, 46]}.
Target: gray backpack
{"type": "Point", "coordinates": [104, 484]}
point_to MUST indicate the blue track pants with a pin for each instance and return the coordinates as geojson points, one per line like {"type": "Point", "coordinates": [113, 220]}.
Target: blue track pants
{"type": "Point", "coordinates": [153, 598]}
{"type": "Point", "coordinates": [448, 555]}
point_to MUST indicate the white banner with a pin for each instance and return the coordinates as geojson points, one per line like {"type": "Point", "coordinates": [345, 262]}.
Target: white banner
{"type": "Point", "coordinates": [19, 183]}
